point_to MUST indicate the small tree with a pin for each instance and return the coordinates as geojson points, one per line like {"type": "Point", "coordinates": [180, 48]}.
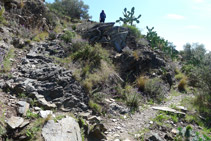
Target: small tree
{"type": "Point", "coordinates": [75, 9]}
{"type": "Point", "coordinates": [129, 17]}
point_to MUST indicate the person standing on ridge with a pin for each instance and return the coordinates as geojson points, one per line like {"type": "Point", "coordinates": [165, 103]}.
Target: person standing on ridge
{"type": "Point", "coordinates": [102, 16]}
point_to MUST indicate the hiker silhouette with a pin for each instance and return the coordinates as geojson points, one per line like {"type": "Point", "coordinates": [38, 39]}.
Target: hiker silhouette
{"type": "Point", "coordinates": [102, 16]}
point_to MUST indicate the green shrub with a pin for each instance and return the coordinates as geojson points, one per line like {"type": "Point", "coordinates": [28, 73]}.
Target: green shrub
{"type": "Point", "coordinates": [41, 36]}
{"type": "Point", "coordinates": [2, 19]}
{"type": "Point", "coordinates": [134, 31]}
{"type": "Point", "coordinates": [74, 27]}
{"type": "Point", "coordinates": [75, 9]}
{"type": "Point", "coordinates": [130, 96]}
{"type": "Point", "coordinates": [96, 107]}
{"type": "Point", "coordinates": [154, 89]}
{"type": "Point", "coordinates": [187, 68]}
{"type": "Point", "coordinates": [31, 115]}
{"type": "Point", "coordinates": [52, 35]}
{"type": "Point", "coordinates": [132, 100]}
{"type": "Point", "coordinates": [90, 55]}
{"type": "Point", "coordinates": [179, 76]}
{"type": "Point", "coordinates": [68, 36]}
{"type": "Point", "coordinates": [7, 63]}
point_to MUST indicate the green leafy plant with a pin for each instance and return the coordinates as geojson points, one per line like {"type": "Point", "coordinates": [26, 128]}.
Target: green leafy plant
{"type": "Point", "coordinates": [96, 107]}
{"type": "Point", "coordinates": [76, 9]}
{"type": "Point", "coordinates": [7, 61]}
{"type": "Point", "coordinates": [129, 17]}
{"type": "Point", "coordinates": [41, 36]}
{"type": "Point", "coordinates": [2, 19]}
{"type": "Point", "coordinates": [31, 115]}
{"type": "Point", "coordinates": [68, 36]}
{"type": "Point", "coordinates": [59, 117]}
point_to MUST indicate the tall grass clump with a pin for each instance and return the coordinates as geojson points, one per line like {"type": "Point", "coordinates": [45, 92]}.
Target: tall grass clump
{"type": "Point", "coordinates": [2, 19]}
{"type": "Point", "coordinates": [7, 62]}
{"type": "Point", "coordinates": [182, 84]}
{"type": "Point", "coordinates": [95, 64]}
{"type": "Point", "coordinates": [96, 107]}
{"type": "Point", "coordinates": [140, 82]}
{"type": "Point", "coordinates": [130, 96]}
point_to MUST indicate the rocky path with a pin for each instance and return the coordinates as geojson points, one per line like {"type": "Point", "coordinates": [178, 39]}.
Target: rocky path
{"type": "Point", "coordinates": [39, 77]}
{"type": "Point", "coordinates": [129, 127]}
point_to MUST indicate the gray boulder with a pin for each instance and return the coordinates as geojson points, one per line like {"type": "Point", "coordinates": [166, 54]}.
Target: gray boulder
{"type": "Point", "coordinates": [14, 122]}
{"type": "Point", "coordinates": [23, 107]}
{"type": "Point", "coordinates": [107, 33]}
{"type": "Point", "coordinates": [67, 129]}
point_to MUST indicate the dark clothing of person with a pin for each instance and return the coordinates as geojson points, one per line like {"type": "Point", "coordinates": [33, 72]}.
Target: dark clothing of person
{"type": "Point", "coordinates": [102, 17]}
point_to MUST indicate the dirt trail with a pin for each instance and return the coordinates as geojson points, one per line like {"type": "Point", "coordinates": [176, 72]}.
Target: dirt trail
{"type": "Point", "coordinates": [125, 129]}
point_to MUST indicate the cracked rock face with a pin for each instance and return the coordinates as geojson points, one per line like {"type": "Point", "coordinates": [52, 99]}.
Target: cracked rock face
{"type": "Point", "coordinates": [39, 77]}
{"type": "Point", "coordinates": [107, 33]}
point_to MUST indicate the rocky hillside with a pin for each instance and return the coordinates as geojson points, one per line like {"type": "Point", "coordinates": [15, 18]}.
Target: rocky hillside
{"type": "Point", "coordinates": [74, 81]}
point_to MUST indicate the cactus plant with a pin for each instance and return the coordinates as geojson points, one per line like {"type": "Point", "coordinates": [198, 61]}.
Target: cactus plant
{"type": "Point", "coordinates": [156, 42]}
{"type": "Point", "coordinates": [129, 17]}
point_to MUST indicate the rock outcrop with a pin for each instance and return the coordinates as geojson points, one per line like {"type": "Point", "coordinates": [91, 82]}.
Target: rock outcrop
{"type": "Point", "coordinates": [106, 33]}
{"type": "Point", "coordinates": [40, 78]}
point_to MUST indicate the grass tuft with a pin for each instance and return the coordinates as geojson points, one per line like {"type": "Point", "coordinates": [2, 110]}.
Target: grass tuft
{"type": "Point", "coordinates": [182, 84]}
{"type": "Point", "coordinates": [140, 82]}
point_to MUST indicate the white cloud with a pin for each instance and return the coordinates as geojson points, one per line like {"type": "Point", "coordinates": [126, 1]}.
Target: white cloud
{"type": "Point", "coordinates": [175, 17]}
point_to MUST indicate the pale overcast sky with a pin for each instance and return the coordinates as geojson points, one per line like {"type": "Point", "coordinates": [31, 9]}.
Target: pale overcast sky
{"type": "Point", "coordinates": [178, 21]}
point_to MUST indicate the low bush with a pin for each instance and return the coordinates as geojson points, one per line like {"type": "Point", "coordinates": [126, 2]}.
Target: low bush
{"type": "Point", "coordinates": [75, 9]}
{"type": "Point", "coordinates": [52, 35]}
{"type": "Point", "coordinates": [154, 89]}
{"type": "Point", "coordinates": [134, 31]}
{"type": "Point", "coordinates": [6, 61]}
{"type": "Point", "coordinates": [179, 76]}
{"type": "Point", "coordinates": [130, 96]}
{"type": "Point", "coordinates": [96, 107]}
{"type": "Point", "coordinates": [68, 36]}
{"type": "Point", "coordinates": [90, 55]}
{"type": "Point", "coordinates": [2, 19]}
{"type": "Point", "coordinates": [41, 36]}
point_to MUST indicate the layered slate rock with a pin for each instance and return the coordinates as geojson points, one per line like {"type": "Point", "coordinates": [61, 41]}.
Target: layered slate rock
{"type": "Point", "coordinates": [107, 33]}
{"type": "Point", "coordinates": [67, 129]}
{"type": "Point", "coordinates": [49, 83]}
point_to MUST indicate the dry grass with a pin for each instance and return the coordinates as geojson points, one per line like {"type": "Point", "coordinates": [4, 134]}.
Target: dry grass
{"type": "Point", "coordinates": [182, 84]}
{"type": "Point", "coordinates": [98, 77]}
{"type": "Point", "coordinates": [140, 82]}
{"type": "Point", "coordinates": [136, 55]}
{"type": "Point", "coordinates": [22, 4]}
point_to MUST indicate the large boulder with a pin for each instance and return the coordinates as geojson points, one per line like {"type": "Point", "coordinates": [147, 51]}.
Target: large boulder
{"type": "Point", "coordinates": [67, 129]}
{"type": "Point", "coordinates": [107, 33]}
